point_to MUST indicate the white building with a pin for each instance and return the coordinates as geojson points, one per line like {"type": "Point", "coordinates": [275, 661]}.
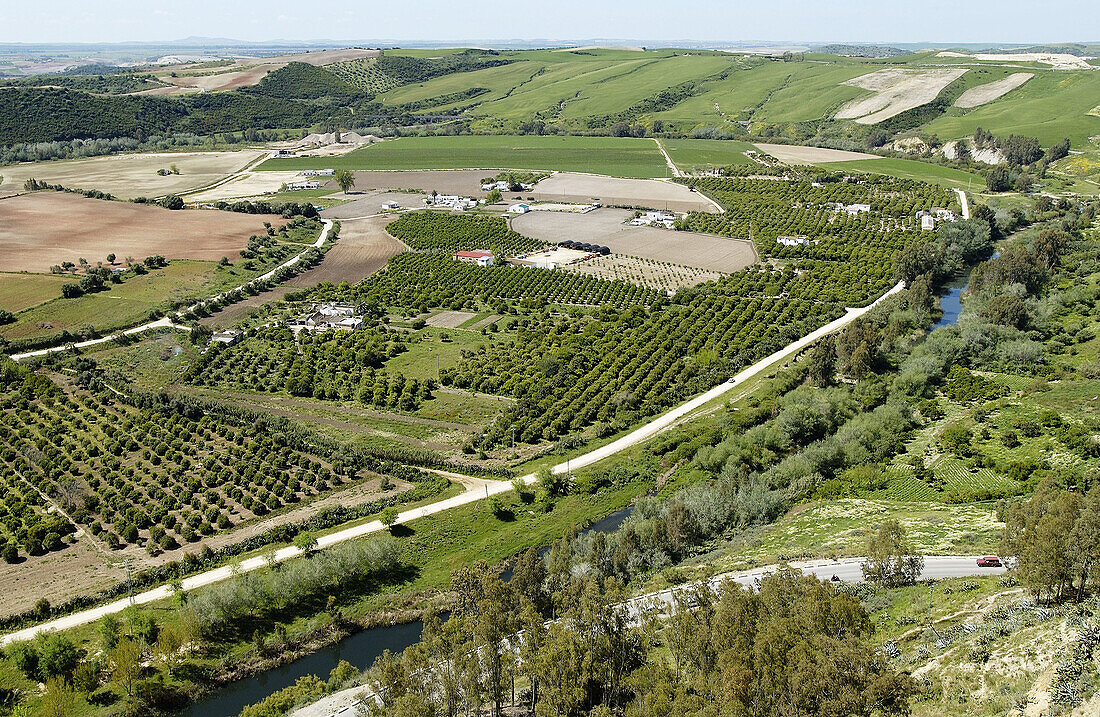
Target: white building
{"type": "Point", "coordinates": [792, 241]}
{"type": "Point", "coordinates": [854, 209]}
{"type": "Point", "coordinates": [519, 209]}
{"type": "Point", "coordinates": [318, 172]}
{"type": "Point", "coordinates": [227, 337]}
{"type": "Point", "coordinates": [326, 317]}
{"type": "Point", "coordinates": [304, 184]}
{"type": "Point", "coordinates": [481, 257]}
{"type": "Point", "coordinates": [664, 219]}
{"type": "Point", "coordinates": [927, 223]}
{"type": "Point", "coordinates": [390, 205]}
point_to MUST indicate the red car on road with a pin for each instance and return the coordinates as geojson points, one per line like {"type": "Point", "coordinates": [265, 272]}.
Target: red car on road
{"type": "Point", "coordinates": [989, 561]}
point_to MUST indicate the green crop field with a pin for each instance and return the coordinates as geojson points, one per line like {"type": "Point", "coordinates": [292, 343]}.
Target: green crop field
{"type": "Point", "coordinates": [618, 156]}
{"type": "Point", "coordinates": [914, 169]}
{"type": "Point", "coordinates": [699, 153]}
{"type": "Point", "coordinates": [1049, 106]}
{"type": "Point", "coordinates": [22, 291]}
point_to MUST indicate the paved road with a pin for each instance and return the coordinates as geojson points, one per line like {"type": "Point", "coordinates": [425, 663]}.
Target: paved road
{"type": "Point", "coordinates": [471, 495]}
{"type": "Point", "coordinates": [848, 570]}
{"type": "Point", "coordinates": [167, 321]}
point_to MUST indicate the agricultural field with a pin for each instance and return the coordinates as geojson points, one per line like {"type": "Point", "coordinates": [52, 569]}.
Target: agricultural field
{"type": "Point", "coordinates": [848, 258]}
{"type": "Point", "coordinates": [246, 72]}
{"type": "Point", "coordinates": [616, 156]}
{"type": "Point", "coordinates": [795, 154]}
{"type": "Point", "coordinates": [360, 203]}
{"type": "Point", "coordinates": [650, 273]}
{"type": "Point", "coordinates": [23, 291]}
{"type": "Point", "coordinates": [895, 91]}
{"type": "Point", "coordinates": [947, 177]}
{"type": "Point", "coordinates": [568, 187]}
{"type": "Point", "coordinates": [131, 175]}
{"type": "Point", "coordinates": [139, 482]}
{"type": "Point", "coordinates": [611, 228]}
{"type": "Point", "coordinates": [46, 228]}
{"type": "Point", "coordinates": [363, 248]}
{"type": "Point", "coordinates": [699, 154]}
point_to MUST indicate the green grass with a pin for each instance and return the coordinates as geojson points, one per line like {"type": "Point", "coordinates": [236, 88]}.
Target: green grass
{"type": "Point", "coordinates": [131, 301]}
{"type": "Point", "coordinates": [22, 291]}
{"type": "Point", "coordinates": [424, 358]}
{"type": "Point", "coordinates": [1049, 106]}
{"type": "Point", "coordinates": [913, 169]}
{"type": "Point", "coordinates": [703, 153]}
{"type": "Point", "coordinates": [842, 527]}
{"type": "Point", "coordinates": [618, 156]}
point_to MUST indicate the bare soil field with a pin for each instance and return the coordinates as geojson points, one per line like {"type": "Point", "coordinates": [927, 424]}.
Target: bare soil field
{"type": "Point", "coordinates": [982, 94]}
{"type": "Point", "coordinates": [45, 228]}
{"type": "Point", "coordinates": [650, 273]}
{"type": "Point", "coordinates": [797, 154]}
{"type": "Point", "coordinates": [570, 187]}
{"type": "Point", "coordinates": [247, 71]}
{"type": "Point", "coordinates": [606, 227]}
{"type": "Point", "coordinates": [895, 91]}
{"type": "Point", "coordinates": [365, 203]}
{"type": "Point", "coordinates": [131, 175]}
{"type": "Point", "coordinates": [363, 248]}
{"type": "Point", "coordinates": [79, 569]}
{"type": "Point", "coordinates": [1058, 60]}
{"type": "Point", "coordinates": [449, 319]}
{"type": "Point", "coordinates": [247, 185]}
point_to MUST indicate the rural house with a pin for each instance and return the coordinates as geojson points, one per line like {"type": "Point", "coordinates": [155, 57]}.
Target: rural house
{"type": "Point", "coordinates": [478, 256]}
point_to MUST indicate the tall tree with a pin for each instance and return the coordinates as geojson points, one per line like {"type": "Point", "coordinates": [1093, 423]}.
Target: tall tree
{"type": "Point", "coordinates": [345, 179]}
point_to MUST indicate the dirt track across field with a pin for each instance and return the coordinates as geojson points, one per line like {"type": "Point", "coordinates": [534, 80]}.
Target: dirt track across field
{"type": "Point", "coordinates": [366, 203]}
{"type": "Point", "coordinates": [606, 227]}
{"type": "Point", "coordinates": [45, 228]}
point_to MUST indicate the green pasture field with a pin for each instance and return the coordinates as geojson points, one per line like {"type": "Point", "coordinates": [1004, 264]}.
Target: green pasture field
{"type": "Point", "coordinates": [498, 80]}
{"type": "Point", "coordinates": [690, 154]}
{"type": "Point", "coordinates": [127, 303]}
{"type": "Point", "coordinates": [617, 156]}
{"type": "Point", "coordinates": [1049, 106]}
{"type": "Point", "coordinates": [22, 291]}
{"type": "Point", "coordinates": [913, 169]}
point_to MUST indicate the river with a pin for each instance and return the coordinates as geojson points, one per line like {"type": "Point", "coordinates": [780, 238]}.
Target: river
{"type": "Point", "coordinates": [359, 649]}
{"type": "Point", "coordinates": [951, 302]}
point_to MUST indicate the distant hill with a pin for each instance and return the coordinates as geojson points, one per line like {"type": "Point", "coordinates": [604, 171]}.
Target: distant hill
{"type": "Point", "coordinates": [862, 50]}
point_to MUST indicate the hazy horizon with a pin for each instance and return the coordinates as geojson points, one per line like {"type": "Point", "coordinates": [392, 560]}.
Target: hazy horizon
{"type": "Point", "coordinates": [642, 21]}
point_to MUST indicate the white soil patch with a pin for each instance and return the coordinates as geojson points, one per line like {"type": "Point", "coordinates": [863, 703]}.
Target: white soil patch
{"type": "Point", "coordinates": [131, 175]}
{"type": "Point", "coordinates": [1058, 60]}
{"type": "Point", "coordinates": [797, 154]}
{"type": "Point", "coordinates": [246, 71]}
{"type": "Point", "coordinates": [609, 227]}
{"type": "Point", "coordinates": [982, 94]}
{"type": "Point", "coordinates": [574, 188]}
{"type": "Point", "coordinates": [895, 91]}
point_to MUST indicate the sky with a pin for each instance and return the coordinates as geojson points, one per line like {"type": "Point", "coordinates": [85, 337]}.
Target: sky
{"type": "Point", "coordinates": [653, 21]}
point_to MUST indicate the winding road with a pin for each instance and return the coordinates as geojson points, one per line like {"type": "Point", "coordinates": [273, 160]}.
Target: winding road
{"type": "Point", "coordinates": [167, 322]}
{"type": "Point", "coordinates": [475, 490]}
